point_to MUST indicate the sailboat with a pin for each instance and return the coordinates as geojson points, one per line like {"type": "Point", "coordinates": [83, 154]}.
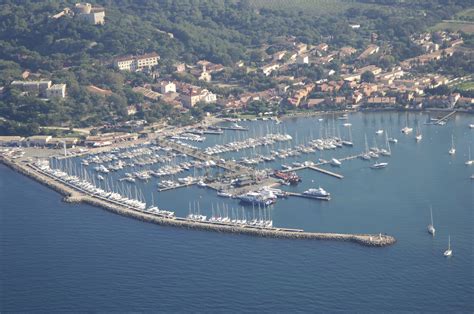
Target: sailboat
{"type": "Point", "coordinates": [348, 142]}
{"type": "Point", "coordinates": [406, 129]}
{"type": "Point", "coordinates": [431, 228]}
{"type": "Point", "coordinates": [335, 162]}
{"type": "Point", "coordinates": [366, 155]}
{"type": "Point", "coordinates": [469, 161]}
{"type": "Point", "coordinates": [418, 136]}
{"type": "Point", "coordinates": [452, 151]}
{"type": "Point", "coordinates": [448, 252]}
{"type": "Point", "coordinates": [386, 151]}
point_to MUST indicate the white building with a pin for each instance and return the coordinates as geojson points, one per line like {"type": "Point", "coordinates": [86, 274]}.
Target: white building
{"type": "Point", "coordinates": [302, 59]}
{"type": "Point", "coordinates": [56, 91]}
{"type": "Point", "coordinates": [167, 87]}
{"type": "Point", "coordinates": [136, 63]}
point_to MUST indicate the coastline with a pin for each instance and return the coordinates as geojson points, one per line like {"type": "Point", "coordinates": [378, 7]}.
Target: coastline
{"type": "Point", "coordinates": [73, 196]}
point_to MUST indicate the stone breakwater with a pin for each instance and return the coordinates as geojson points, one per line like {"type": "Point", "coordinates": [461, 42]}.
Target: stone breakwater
{"type": "Point", "coordinates": [73, 196]}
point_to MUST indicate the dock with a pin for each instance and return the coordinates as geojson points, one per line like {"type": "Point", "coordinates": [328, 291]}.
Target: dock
{"type": "Point", "coordinates": [315, 168]}
{"type": "Point", "coordinates": [176, 187]}
{"type": "Point", "coordinates": [445, 118]}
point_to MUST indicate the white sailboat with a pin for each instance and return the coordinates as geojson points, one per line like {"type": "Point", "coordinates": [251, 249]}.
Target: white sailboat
{"type": "Point", "coordinates": [366, 155]}
{"type": "Point", "coordinates": [418, 136]}
{"type": "Point", "coordinates": [406, 129]}
{"type": "Point", "coordinates": [431, 228]}
{"type": "Point", "coordinates": [335, 162]}
{"type": "Point", "coordinates": [469, 161]}
{"type": "Point", "coordinates": [448, 252]}
{"type": "Point", "coordinates": [452, 151]}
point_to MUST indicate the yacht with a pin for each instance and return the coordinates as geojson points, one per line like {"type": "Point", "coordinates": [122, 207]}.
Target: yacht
{"type": "Point", "coordinates": [452, 151]}
{"type": "Point", "coordinates": [448, 252]}
{"type": "Point", "coordinates": [318, 193]}
{"type": "Point", "coordinates": [335, 162]}
{"type": "Point", "coordinates": [431, 228]}
{"type": "Point", "coordinates": [379, 165]}
{"type": "Point", "coordinates": [343, 117]}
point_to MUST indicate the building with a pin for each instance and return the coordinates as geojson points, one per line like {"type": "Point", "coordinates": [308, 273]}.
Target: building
{"type": "Point", "coordinates": [11, 140]}
{"type": "Point", "coordinates": [38, 87]}
{"type": "Point", "coordinates": [302, 59]}
{"type": "Point", "coordinates": [109, 138]}
{"type": "Point", "coordinates": [56, 91]}
{"type": "Point", "coordinates": [370, 50]}
{"type": "Point", "coordinates": [167, 87]}
{"type": "Point", "coordinates": [269, 68]}
{"type": "Point", "coordinates": [193, 95]}
{"type": "Point", "coordinates": [137, 63]}
{"type": "Point", "coordinates": [93, 15]}
{"type": "Point", "coordinates": [39, 140]}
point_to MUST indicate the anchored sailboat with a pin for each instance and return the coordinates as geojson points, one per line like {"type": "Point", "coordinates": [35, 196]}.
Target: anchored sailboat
{"type": "Point", "coordinates": [452, 151]}
{"type": "Point", "coordinates": [431, 228]}
{"type": "Point", "coordinates": [448, 252]}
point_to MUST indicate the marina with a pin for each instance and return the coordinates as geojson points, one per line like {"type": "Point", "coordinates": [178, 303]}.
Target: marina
{"type": "Point", "coordinates": [394, 201]}
{"type": "Point", "coordinates": [244, 172]}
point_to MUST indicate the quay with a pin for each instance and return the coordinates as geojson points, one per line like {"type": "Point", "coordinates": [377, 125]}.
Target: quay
{"type": "Point", "coordinates": [75, 195]}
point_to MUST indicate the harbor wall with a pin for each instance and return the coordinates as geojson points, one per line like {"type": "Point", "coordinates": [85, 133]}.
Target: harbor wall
{"type": "Point", "coordinates": [73, 196]}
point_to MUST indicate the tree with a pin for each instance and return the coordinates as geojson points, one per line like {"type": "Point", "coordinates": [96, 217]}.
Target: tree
{"type": "Point", "coordinates": [367, 77]}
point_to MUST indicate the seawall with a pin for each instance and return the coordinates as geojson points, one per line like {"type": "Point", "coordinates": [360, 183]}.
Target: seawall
{"type": "Point", "coordinates": [74, 196]}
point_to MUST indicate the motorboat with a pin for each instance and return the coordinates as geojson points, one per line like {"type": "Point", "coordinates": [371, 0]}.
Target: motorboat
{"type": "Point", "coordinates": [379, 165]}
{"type": "Point", "coordinates": [335, 162]}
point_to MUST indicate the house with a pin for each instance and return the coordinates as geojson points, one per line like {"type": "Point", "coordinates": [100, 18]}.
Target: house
{"type": "Point", "coordinates": [346, 51]}
{"type": "Point", "coordinates": [131, 110]}
{"type": "Point", "coordinates": [191, 96]}
{"type": "Point", "coordinates": [167, 87]}
{"type": "Point", "coordinates": [302, 59]}
{"type": "Point", "coordinates": [301, 94]}
{"type": "Point", "coordinates": [368, 89]}
{"type": "Point", "coordinates": [91, 14]}
{"type": "Point", "coordinates": [370, 50]}
{"type": "Point", "coordinates": [370, 68]}
{"type": "Point", "coordinates": [322, 47]}
{"type": "Point", "coordinates": [147, 93]}
{"type": "Point", "coordinates": [269, 68]}
{"type": "Point", "coordinates": [301, 48]}
{"type": "Point", "coordinates": [56, 91]}
{"type": "Point", "coordinates": [277, 56]}
{"type": "Point", "coordinates": [137, 63]}
{"type": "Point", "coordinates": [39, 140]}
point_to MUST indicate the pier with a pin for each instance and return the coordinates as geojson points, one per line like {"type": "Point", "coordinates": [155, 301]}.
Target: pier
{"type": "Point", "coordinates": [75, 195]}
{"type": "Point", "coordinates": [445, 118]}
{"type": "Point", "coordinates": [315, 168]}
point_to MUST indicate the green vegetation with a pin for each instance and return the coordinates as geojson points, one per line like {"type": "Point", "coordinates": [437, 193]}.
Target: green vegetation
{"type": "Point", "coordinates": [68, 50]}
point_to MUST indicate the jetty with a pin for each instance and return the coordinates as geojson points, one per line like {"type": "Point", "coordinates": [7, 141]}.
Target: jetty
{"type": "Point", "coordinates": [75, 195]}
{"type": "Point", "coordinates": [315, 168]}
{"type": "Point", "coordinates": [445, 118]}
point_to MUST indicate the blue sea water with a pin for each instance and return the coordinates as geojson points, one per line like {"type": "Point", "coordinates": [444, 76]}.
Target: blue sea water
{"type": "Point", "coordinates": [61, 257]}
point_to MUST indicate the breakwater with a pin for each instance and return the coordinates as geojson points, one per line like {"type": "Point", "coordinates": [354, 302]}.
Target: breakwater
{"type": "Point", "coordinates": [75, 196]}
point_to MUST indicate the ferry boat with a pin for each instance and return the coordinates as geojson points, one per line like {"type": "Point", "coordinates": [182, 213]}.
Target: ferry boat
{"type": "Point", "coordinates": [379, 165]}
{"type": "Point", "coordinates": [318, 193]}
